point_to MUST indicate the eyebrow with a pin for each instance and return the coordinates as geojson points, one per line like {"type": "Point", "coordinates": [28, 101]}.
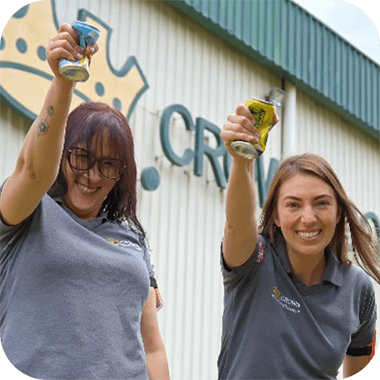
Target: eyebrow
{"type": "Point", "coordinates": [315, 199]}
{"type": "Point", "coordinates": [91, 152]}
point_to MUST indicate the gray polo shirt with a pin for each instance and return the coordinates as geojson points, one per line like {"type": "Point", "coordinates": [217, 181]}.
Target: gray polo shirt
{"type": "Point", "coordinates": [275, 327]}
{"type": "Point", "coordinates": [72, 294]}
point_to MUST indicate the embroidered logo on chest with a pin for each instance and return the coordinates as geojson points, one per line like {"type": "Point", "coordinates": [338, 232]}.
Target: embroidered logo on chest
{"type": "Point", "coordinates": [123, 243]}
{"type": "Point", "coordinates": [285, 302]}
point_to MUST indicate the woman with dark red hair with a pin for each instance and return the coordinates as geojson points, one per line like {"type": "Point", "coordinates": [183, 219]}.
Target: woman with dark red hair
{"type": "Point", "coordinates": [78, 294]}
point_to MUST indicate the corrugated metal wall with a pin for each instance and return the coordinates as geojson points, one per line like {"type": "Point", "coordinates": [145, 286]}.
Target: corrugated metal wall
{"type": "Point", "coordinates": [13, 128]}
{"type": "Point", "coordinates": [354, 155]}
{"type": "Point", "coordinates": [295, 44]}
{"type": "Point", "coordinates": [184, 217]}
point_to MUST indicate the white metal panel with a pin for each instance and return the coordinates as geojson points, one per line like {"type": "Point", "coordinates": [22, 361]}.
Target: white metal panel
{"type": "Point", "coordinates": [354, 156]}
{"type": "Point", "coordinates": [184, 218]}
{"type": "Point", "coordinates": [13, 128]}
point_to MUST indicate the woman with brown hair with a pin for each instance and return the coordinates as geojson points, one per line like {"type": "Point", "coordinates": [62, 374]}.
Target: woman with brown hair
{"type": "Point", "coordinates": [78, 294]}
{"type": "Point", "coordinates": [295, 306]}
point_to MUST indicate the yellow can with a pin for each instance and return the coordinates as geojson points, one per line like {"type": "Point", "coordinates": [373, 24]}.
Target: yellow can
{"type": "Point", "coordinates": [263, 112]}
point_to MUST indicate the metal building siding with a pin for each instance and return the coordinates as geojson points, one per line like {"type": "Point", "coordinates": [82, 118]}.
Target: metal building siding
{"type": "Point", "coordinates": [12, 134]}
{"type": "Point", "coordinates": [297, 46]}
{"type": "Point", "coordinates": [184, 217]}
{"type": "Point", "coordinates": [352, 153]}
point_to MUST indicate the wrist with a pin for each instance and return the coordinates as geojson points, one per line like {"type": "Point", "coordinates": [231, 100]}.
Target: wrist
{"type": "Point", "coordinates": [64, 83]}
{"type": "Point", "coordinates": [243, 163]}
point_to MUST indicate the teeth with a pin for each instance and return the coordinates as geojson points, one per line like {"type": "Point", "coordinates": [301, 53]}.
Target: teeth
{"type": "Point", "coordinates": [85, 188]}
{"type": "Point", "coordinates": [308, 234]}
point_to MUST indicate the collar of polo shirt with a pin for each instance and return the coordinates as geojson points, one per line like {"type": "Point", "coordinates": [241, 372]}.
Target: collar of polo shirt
{"type": "Point", "coordinates": [333, 271]}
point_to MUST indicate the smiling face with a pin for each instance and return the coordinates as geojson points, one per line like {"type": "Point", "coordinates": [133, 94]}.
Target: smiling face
{"type": "Point", "coordinates": [307, 213]}
{"type": "Point", "coordinates": [87, 189]}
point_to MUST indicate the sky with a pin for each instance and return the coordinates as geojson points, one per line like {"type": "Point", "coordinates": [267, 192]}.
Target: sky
{"type": "Point", "coordinates": [360, 26]}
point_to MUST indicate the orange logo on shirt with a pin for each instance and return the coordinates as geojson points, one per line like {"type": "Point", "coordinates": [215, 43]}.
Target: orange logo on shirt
{"type": "Point", "coordinates": [276, 292]}
{"type": "Point", "coordinates": [113, 241]}
{"type": "Point", "coordinates": [261, 255]}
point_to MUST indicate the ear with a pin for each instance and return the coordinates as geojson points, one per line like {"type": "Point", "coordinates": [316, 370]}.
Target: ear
{"type": "Point", "coordinates": [338, 214]}
{"type": "Point", "coordinates": [277, 220]}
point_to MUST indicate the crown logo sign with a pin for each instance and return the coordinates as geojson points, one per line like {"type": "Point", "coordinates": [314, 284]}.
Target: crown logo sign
{"type": "Point", "coordinates": [24, 68]}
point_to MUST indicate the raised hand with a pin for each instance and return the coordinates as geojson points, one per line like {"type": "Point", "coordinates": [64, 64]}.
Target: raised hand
{"type": "Point", "coordinates": [240, 126]}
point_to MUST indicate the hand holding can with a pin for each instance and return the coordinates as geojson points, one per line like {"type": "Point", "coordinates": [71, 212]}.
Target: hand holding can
{"type": "Point", "coordinates": [264, 115]}
{"type": "Point", "coordinates": [78, 71]}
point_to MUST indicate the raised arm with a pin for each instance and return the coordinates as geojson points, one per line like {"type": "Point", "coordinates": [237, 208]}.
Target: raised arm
{"type": "Point", "coordinates": [241, 231]}
{"type": "Point", "coordinates": [39, 159]}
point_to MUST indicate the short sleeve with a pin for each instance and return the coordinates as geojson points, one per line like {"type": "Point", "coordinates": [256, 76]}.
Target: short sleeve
{"type": "Point", "coordinates": [233, 276]}
{"type": "Point", "coordinates": [153, 281]}
{"type": "Point", "coordinates": [10, 237]}
{"type": "Point", "coordinates": [365, 334]}
{"type": "Point", "coordinates": [147, 256]}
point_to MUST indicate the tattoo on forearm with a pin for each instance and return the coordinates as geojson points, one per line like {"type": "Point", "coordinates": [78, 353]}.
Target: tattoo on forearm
{"type": "Point", "coordinates": [44, 126]}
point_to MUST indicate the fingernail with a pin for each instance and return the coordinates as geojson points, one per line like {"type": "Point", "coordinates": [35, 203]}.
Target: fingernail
{"type": "Point", "coordinates": [254, 139]}
{"type": "Point", "coordinates": [92, 50]}
{"type": "Point", "coordinates": [79, 55]}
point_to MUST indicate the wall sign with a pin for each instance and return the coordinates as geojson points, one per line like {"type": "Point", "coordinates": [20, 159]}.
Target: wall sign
{"type": "Point", "coordinates": [23, 68]}
{"type": "Point", "coordinates": [23, 65]}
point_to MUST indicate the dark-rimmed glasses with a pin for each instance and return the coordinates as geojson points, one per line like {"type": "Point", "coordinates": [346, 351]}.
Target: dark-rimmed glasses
{"type": "Point", "coordinates": [83, 159]}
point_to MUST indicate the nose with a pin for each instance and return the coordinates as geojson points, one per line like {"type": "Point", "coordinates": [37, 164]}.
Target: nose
{"type": "Point", "coordinates": [93, 174]}
{"type": "Point", "coordinates": [308, 216]}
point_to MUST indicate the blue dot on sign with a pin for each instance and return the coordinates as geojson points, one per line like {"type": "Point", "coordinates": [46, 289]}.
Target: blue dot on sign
{"type": "Point", "coordinates": [99, 88]}
{"type": "Point", "coordinates": [150, 179]}
{"type": "Point", "coordinates": [2, 43]}
{"type": "Point", "coordinates": [41, 52]}
{"type": "Point", "coordinates": [21, 12]}
{"type": "Point", "coordinates": [117, 103]}
{"type": "Point", "coordinates": [21, 45]}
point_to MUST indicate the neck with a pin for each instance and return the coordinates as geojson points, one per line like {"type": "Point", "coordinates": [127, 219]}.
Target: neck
{"type": "Point", "coordinates": [308, 269]}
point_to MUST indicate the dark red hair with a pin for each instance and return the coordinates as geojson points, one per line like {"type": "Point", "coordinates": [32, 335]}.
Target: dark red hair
{"type": "Point", "coordinates": [91, 122]}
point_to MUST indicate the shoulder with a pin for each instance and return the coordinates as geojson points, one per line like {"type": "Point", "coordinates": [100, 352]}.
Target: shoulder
{"type": "Point", "coordinates": [46, 203]}
{"type": "Point", "coordinates": [258, 256]}
{"type": "Point", "coordinates": [127, 229]}
{"type": "Point", "coordinates": [125, 232]}
{"type": "Point", "coordinates": [362, 286]}
{"type": "Point", "coordinates": [357, 277]}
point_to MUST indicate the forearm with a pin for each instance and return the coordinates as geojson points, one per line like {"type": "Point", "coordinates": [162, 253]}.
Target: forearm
{"type": "Point", "coordinates": [41, 153]}
{"type": "Point", "coordinates": [241, 200]}
{"type": "Point", "coordinates": [157, 365]}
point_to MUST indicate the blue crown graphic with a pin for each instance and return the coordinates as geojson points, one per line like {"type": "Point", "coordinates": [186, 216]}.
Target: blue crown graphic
{"type": "Point", "coordinates": [24, 69]}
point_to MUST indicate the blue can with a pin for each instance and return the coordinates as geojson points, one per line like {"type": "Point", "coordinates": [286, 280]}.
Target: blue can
{"type": "Point", "coordinates": [78, 71]}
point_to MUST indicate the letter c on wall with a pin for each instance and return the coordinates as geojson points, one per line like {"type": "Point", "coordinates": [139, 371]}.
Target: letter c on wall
{"type": "Point", "coordinates": [188, 155]}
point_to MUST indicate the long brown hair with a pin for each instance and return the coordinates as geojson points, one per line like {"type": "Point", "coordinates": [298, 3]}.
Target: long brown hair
{"type": "Point", "coordinates": [364, 245]}
{"type": "Point", "coordinates": [91, 121]}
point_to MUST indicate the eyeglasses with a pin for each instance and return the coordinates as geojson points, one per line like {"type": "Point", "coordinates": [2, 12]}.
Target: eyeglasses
{"type": "Point", "coordinates": [83, 159]}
